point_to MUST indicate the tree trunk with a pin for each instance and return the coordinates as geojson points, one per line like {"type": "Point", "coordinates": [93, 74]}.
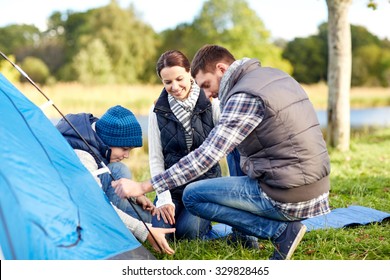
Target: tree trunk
{"type": "Point", "coordinates": [339, 74]}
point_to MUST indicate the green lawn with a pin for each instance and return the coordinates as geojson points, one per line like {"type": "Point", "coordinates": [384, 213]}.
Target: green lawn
{"type": "Point", "coordinates": [359, 177]}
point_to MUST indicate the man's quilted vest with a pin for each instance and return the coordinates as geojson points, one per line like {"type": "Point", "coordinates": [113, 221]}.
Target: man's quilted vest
{"type": "Point", "coordinates": [286, 152]}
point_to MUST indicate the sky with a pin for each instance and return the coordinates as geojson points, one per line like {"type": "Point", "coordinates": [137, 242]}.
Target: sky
{"type": "Point", "coordinates": [286, 19]}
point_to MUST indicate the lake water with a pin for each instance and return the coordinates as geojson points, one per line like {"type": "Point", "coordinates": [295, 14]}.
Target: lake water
{"type": "Point", "coordinates": [363, 117]}
{"type": "Point", "coordinates": [359, 118]}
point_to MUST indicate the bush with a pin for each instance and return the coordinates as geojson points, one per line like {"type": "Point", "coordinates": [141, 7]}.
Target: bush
{"type": "Point", "coordinates": [36, 69]}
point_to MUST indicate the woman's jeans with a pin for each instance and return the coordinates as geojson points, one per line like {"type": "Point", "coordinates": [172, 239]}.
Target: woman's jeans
{"type": "Point", "coordinates": [120, 170]}
{"type": "Point", "coordinates": [238, 202]}
{"type": "Point", "coordinates": [187, 225]}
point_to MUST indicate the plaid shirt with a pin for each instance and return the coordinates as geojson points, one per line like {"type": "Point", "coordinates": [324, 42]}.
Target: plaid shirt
{"type": "Point", "coordinates": [240, 116]}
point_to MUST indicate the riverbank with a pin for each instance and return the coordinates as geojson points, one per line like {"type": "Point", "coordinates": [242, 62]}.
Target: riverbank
{"type": "Point", "coordinates": [74, 98]}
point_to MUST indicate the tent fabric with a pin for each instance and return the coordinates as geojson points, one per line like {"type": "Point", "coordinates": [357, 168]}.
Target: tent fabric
{"type": "Point", "coordinates": [50, 205]}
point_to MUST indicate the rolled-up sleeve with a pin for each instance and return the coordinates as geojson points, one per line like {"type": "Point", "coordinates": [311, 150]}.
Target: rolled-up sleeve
{"type": "Point", "coordinates": [240, 116]}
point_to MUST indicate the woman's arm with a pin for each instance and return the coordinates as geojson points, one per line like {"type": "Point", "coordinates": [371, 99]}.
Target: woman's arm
{"type": "Point", "coordinates": [156, 158]}
{"type": "Point", "coordinates": [216, 110]}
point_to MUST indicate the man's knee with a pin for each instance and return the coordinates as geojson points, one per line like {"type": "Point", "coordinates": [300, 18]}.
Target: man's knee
{"type": "Point", "coordinates": [188, 197]}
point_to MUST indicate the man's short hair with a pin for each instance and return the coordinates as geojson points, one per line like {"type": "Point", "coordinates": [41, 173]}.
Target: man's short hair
{"type": "Point", "coordinates": [207, 57]}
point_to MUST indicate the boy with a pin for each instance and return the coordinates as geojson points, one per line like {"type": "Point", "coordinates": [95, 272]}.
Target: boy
{"type": "Point", "coordinates": [111, 138]}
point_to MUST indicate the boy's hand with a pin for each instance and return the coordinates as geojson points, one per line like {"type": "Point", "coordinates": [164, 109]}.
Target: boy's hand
{"type": "Point", "coordinates": [159, 234]}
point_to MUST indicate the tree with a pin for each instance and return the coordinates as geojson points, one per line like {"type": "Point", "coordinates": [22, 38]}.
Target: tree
{"type": "Point", "coordinates": [129, 42]}
{"type": "Point", "coordinates": [8, 70]}
{"type": "Point", "coordinates": [232, 24]}
{"type": "Point", "coordinates": [308, 57]}
{"type": "Point", "coordinates": [366, 62]}
{"type": "Point", "coordinates": [36, 69]}
{"type": "Point", "coordinates": [339, 74]}
{"type": "Point", "coordinates": [93, 64]}
{"type": "Point", "coordinates": [15, 39]}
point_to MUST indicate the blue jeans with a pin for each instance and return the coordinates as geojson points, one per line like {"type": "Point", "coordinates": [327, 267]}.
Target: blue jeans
{"type": "Point", "coordinates": [120, 170]}
{"type": "Point", "coordinates": [187, 225]}
{"type": "Point", "coordinates": [238, 202]}
{"type": "Point", "coordinates": [233, 161]}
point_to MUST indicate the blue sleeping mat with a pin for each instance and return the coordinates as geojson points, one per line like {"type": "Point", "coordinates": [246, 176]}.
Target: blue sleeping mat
{"type": "Point", "coordinates": [337, 218]}
{"type": "Point", "coordinates": [343, 217]}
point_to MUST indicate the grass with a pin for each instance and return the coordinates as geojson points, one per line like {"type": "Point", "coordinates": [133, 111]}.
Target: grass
{"type": "Point", "coordinates": [359, 177]}
{"type": "Point", "coordinates": [361, 97]}
{"type": "Point", "coordinates": [75, 98]}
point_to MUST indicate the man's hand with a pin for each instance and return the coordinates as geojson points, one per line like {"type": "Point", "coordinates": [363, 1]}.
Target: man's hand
{"type": "Point", "coordinates": [145, 203]}
{"type": "Point", "coordinates": [126, 188]}
{"type": "Point", "coordinates": [167, 212]}
{"type": "Point", "coordinates": [159, 234]}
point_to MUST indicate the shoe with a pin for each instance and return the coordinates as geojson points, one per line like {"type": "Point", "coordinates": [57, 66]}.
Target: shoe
{"type": "Point", "coordinates": [288, 241]}
{"type": "Point", "coordinates": [246, 241]}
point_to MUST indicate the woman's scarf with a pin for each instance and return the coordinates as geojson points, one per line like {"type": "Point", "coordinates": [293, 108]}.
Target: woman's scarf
{"type": "Point", "coordinates": [183, 109]}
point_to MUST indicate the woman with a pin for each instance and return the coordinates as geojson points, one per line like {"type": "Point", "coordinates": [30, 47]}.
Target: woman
{"type": "Point", "coordinates": [179, 122]}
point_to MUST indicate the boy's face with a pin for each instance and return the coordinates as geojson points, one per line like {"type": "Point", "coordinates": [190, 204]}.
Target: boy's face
{"type": "Point", "coordinates": [119, 153]}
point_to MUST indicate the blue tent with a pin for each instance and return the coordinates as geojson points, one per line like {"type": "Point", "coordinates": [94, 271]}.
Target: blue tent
{"type": "Point", "coordinates": [50, 205]}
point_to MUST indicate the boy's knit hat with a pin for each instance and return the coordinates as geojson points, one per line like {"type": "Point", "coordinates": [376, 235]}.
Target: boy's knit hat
{"type": "Point", "coordinates": [118, 127]}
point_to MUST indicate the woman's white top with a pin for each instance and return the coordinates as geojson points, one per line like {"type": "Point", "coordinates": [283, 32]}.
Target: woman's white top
{"type": "Point", "coordinates": [156, 158]}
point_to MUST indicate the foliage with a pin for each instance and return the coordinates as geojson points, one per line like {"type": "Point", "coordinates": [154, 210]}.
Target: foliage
{"type": "Point", "coordinates": [8, 70]}
{"type": "Point", "coordinates": [36, 69]}
{"type": "Point", "coordinates": [361, 37]}
{"type": "Point", "coordinates": [130, 43]}
{"type": "Point", "coordinates": [309, 56]}
{"type": "Point", "coordinates": [93, 64]}
{"type": "Point", "coordinates": [15, 38]}
{"type": "Point", "coordinates": [232, 24]}
{"type": "Point", "coordinates": [133, 46]}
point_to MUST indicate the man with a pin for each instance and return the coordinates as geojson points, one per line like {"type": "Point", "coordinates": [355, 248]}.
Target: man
{"type": "Point", "coordinates": [267, 115]}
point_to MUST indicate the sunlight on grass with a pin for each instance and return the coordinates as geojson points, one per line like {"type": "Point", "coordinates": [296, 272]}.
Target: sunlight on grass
{"type": "Point", "coordinates": [75, 98]}
{"type": "Point", "coordinates": [360, 97]}
{"type": "Point", "coordinates": [359, 177]}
